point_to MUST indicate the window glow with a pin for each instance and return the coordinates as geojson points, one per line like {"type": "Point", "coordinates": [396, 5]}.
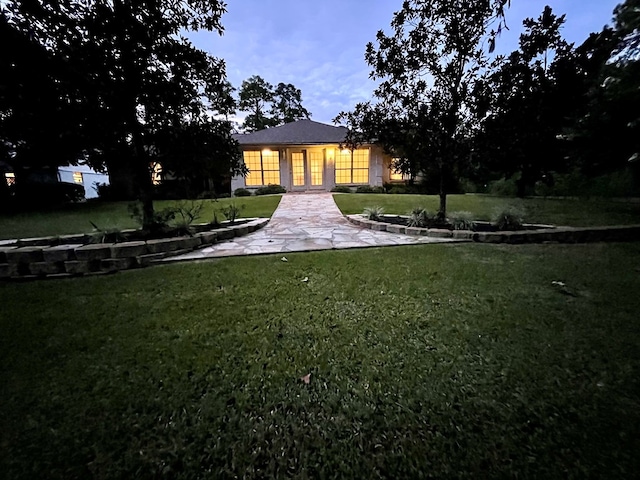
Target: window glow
{"type": "Point", "coordinates": [264, 167]}
{"type": "Point", "coordinates": [10, 178]}
{"type": "Point", "coordinates": [77, 177]}
{"type": "Point", "coordinates": [352, 168]}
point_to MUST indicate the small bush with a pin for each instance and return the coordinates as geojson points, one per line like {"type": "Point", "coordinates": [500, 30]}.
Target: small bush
{"type": "Point", "coordinates": [49, 193]}
{"type": "Point", "coordinates": [271, 189]}
{"type": "Point", "coordinates": [161, 218]}
{"type": "Point", "coordinates": [364, 189]}
{"type": "Point", "coordinates": [231, 211]}
{"type": "Point", "coordinates": [341, 189]}
{"type": "Point", "coordinates": [378, 189]}
{"type": "Point", "coordinates": [242, 192]}
{"type": "Point", "coordinates": [503, 187]}
{"type": "Point", "coordinates": [419, 217]}
{"type": "Point", "coordinates": [511, 218]}
{"type": "Point", "coordinates": [462, 221]}
{"type": "Point", "coordinates": [373, 213]}
{"type": "Point", "coordinates": [185, 213]}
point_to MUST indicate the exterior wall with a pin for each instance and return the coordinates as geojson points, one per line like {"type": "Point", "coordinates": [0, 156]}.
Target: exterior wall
{"type": "Point", "coordinates": [378, 166]}
{"type": "Point", "coordinates": [89, 177]}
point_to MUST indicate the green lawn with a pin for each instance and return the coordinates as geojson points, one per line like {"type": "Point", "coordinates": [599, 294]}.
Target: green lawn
{"type": "Point", "coordinates": [442, 361]}
{"type": "Point", "coordinates": [575, 213]}
{"type": "Point", "coordinates": [113, 215]}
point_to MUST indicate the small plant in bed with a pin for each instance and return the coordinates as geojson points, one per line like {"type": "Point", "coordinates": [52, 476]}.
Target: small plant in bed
{"type": "Point", "coordinates": [373, 213]}
{"type": "Point", "coordinates": [510, 218]}
{"type": "Point", "coordinates": [462, 221]}
{"type": "Point", "coordinates": [271, 190]}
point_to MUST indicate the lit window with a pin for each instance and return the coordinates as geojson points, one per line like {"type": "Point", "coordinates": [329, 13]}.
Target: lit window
{"type": "Point", "coordinates": [10, 178]}
{"type": "Point", "coordinates": [77, 177]}
{"type": "Point", "coordinates": [396, 175]}
{"type": "Point", "coordinates": [352, 167]}
{"type": "Point", "coordinates": [264, 168]}
{"type": "Point", "coordinates": [156, 173]}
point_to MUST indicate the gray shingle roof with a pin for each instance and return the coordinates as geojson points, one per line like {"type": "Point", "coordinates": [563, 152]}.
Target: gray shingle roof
{"type": "Point", "coordinates": [302, 132]}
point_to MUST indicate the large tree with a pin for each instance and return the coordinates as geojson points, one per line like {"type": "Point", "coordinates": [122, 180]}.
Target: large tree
{"type": "Point", "coordinates": [606, 136]}
{"type": "Point", "coordinates": [287, 104]}
{"type": "Point", "coordinates": [134, 74]}
{"type": "Point", "coordinates": [427, 68]}
{"type": "Point", "coordinates": [255, 95]}
{"type": "Point", "coordinates": [532, 94]}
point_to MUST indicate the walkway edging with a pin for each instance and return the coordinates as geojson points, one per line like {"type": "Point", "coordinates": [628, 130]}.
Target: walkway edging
{"type": "Point", "coordinates": [25, 259]}
{"type": "Point", "coordinates": [542, 234]}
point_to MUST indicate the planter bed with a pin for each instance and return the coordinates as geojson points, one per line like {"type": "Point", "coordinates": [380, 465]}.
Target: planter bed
{"type": "Point", "coordinates": [70, 255]}
{"type": "Point", "coordinates": [486, 233]}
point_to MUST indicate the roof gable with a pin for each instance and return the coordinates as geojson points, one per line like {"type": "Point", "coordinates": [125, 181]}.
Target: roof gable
{"type": "Point", "coordinates": [302, 132]}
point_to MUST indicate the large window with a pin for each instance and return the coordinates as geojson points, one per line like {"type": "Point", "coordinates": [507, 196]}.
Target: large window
{"type": "Point", "coordinates": [264, 168]}
{"type": "Point", "coordinates": [352, 167]}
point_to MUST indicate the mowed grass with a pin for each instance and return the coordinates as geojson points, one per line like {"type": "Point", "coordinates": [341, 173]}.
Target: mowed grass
{"type": "Point", "coordinates": [442, 361]}
{"type": "Point", "coordinates": [114, 215]}
{"type": "Point", "coordinates": [567, 212]}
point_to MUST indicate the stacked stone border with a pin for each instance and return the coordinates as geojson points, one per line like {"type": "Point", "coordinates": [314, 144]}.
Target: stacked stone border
{"type": "Point", "coordinates": [532, 234]}
{"type": "Point", "coordinates": [72, 255]}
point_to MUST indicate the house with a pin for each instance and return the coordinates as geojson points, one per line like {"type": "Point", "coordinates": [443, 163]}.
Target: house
{"type": "Point", "coordinates": [306, 156]}
{"type": "Point", "coordinates": [85, 176]}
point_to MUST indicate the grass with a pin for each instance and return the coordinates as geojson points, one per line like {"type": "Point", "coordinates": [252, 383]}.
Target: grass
{"type": "Point", "coordinates": [575, 213]}
{"type": "Point", "coordinates": [113, 215]}
{"type": "Point", "coordinates": [442, 361]}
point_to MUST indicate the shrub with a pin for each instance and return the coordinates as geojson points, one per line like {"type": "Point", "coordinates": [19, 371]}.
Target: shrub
{"type": "Point", "coordinates": [378, 189]}
{"type": "Point", "coordinates": [49, 193]}
{"type": "Point", "coordinates": [503, 187]}
{"type": "Point", "coordinates": [185, 213]}
{"type": "Point", "coordinates": [341, 189]}
{"type": "Point", "coordinates": [231, 211]}
{"type": "Point", "coordinates": [511, 218]}
{"type": "Point", "coordinates": [160, 220]}
{"type": "Point", "coordinates": [242, 192]}
{"type": "Point", "coordinates": [373, 213]}
{"type": "Point", "coordinates": [271, 189]}
{"type": "Point", "coordinates": [364, 189]}
{"type": "Point", "coordinates": [462, 221]}
{"type": "Point", "coordinates": [419, 217]}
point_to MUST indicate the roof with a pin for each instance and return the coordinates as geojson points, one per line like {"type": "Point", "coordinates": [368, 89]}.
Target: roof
{"type": "Point", "coordinates": [302, 132]}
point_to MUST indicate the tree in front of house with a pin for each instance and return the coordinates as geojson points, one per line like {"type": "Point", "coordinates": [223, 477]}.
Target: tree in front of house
{"type": "Point", "coordinates": [427, 68]}
{"type": "Point", "coordinates": [129, 74]}
{"type": "Point", "coordinates": [268, 106]}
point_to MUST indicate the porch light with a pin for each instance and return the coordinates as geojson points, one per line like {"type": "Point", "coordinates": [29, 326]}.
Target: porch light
{"type": "Point", "coordinates": [266, 151]}
{"type": "Point", "coordinates": [329, 154]}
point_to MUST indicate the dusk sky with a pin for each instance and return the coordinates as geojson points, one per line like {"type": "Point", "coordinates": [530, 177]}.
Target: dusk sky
{"type": "Point", "coordinates": [319, 45]}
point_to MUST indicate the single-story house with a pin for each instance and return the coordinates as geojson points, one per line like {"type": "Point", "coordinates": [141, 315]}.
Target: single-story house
{"type": "Point", "coordinates": [306, 156]}
{"type": "Point", "coordinates": [85, 176]}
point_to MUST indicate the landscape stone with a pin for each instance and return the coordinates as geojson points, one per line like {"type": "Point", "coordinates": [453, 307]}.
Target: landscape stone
{"type": "Point", "coordinates": [161, 245]}
{"type": "Point", "coordinates": [240, 230]}
{"type": "Point", "coordinates": [60, 253]}
{"type": "Point", "coordinates": [128, 249]}
{"type": "Point", "coordinates": [96, 251]}
{"type": "Point", "coordinates": [440, 233]}
{"type": "Point", "coordinates": [23, 255]}
{"type": "Point", "coordinates": [207, 238]}
{"type": "Point", "coordinates": [46, 268]}
{"type": "Point", "coordinates": [225, 233]}
{"type": "Point", "coordinates": [8, 270]}
{"type": "Point", "coordinates": [78, 267]}
{"type": "Point", "coordinates": [115, 264]}
{"type": "Point", "coordinates": [396, 229]}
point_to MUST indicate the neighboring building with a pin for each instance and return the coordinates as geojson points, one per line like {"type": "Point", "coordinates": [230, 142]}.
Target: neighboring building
{"type": "Point", "coordinates": [85, 176]}
{"type": "Point", "coordinates": [306, 155]}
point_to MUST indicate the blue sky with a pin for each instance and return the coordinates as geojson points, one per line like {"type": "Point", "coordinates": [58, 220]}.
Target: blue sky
{"type": "Point", "coordinates": [319, 45]}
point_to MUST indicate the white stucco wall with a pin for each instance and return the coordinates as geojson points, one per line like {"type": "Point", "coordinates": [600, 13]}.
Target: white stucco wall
{"type": "Point", "coordinates": [89, 178]}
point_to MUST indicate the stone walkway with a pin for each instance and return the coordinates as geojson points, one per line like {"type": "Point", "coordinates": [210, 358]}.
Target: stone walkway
{"type": "Point", "coordinates": [302, 223]}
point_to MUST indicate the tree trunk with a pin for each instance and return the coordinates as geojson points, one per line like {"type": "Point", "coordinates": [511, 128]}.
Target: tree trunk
{"type": "Point", "coordinates": [442, 210]}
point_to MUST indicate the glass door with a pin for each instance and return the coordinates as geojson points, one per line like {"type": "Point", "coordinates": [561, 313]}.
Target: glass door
{"type": "Point", "coordinates": [298, 170]}
{"type": "Point", "coordinates": [316, 167]}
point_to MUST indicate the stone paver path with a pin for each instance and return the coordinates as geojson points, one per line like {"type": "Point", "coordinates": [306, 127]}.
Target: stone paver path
{"type": "Point", "coordinates": [305, 222]}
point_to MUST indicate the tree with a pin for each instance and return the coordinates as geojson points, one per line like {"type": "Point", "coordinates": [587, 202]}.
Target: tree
{"type": "Point", "coordinates": [287, 104]}
{"type": "Point", "coordinates": [607, 131]}
{"type": "Point", "coordinates": [532, 94]}
{"type": "Point", "coordinates": [427, 69]}
{"type": "Point", "coordinates": [134, 74]}
{"type": "Point", "coordinates": [255, 94]}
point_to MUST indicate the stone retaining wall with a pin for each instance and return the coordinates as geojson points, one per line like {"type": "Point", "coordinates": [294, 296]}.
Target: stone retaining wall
{"type": "Point", "coordinates": [533, 233]}
{"type": "Point", "coordinates": [70, 255]}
